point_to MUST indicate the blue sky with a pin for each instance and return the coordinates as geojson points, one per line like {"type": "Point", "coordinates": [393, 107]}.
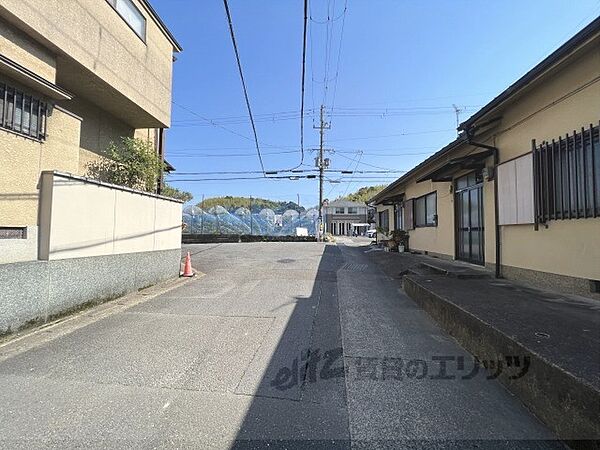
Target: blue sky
{"type": "Point", "coordinates": [402, 67]}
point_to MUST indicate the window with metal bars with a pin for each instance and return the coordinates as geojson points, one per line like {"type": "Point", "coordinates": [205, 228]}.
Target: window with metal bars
{"type": "Point", "coordinates": [567, 176]}
{"type": "Point", "coordinates": [24, 114]}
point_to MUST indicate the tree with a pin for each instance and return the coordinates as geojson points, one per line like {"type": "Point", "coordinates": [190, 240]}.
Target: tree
{"type": "Point", "coordinates": [173, 192]}
{"type": "Point", "coordinates": [364, 193]}
{"type": "Point", "coordinates": [231, 203]}
{"type": "Point", "coordinates": [132, 163]}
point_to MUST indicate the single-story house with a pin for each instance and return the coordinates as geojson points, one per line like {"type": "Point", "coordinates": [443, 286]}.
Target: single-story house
{"type": "Point", "coordinates": [519, 190]}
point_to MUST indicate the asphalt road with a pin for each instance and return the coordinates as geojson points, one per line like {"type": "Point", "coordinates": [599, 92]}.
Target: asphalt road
{"type": "Point", "coordinates": [290, 345]}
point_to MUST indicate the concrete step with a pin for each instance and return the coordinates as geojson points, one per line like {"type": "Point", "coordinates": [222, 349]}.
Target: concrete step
{"type": "Point", "coordinates": [552, 336]}
{"type": "Point", "coordinates": [455, 270]}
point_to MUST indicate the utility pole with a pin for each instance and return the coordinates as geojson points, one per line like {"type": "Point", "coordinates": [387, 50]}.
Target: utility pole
{"type": "Point", "coordinates": [321, 164]}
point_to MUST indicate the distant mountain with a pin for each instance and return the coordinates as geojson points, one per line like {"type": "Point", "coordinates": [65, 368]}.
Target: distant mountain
{"type": "Point", "coordinates": [231, 203]}
{"type": "Point", "coordinates": [363, 194]}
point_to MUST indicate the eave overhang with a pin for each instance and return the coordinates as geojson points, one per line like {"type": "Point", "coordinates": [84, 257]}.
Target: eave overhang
{"type": "Point", "coordinates": [30, 79]}
{"type": "Point", "coordinates": [393, 199]}
{"type": "Point", "coordinates": [150, 10]}
{"type": "Point", "coordinates": [455, 165]}
{"type": "Point", "coordinates": [383, 195]}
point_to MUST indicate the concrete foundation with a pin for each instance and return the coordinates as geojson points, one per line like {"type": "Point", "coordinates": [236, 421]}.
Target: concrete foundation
{"type": "Point", "coordinates": [38, 291]}
{"type": "Point", "coordinates": [556, 282]}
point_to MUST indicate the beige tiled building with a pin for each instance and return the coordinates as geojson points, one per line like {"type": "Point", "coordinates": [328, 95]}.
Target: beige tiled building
{"type": "Point", "coordinates": [74, 75]}
{"type": "Point", "coordinates": [519, 189]}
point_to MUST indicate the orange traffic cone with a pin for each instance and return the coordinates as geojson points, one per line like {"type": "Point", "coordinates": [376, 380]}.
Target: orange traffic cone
{"type": "Point", "coordinates": [187, 268]}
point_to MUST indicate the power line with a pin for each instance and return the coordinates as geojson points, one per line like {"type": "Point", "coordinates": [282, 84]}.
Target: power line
{"type": "Point", "coordinates": [221, 155]}
{"type": "Point", "coordinates": [282, 178]}
{"type": "Point", "coordinates": [355, 167]}
{"type": "Point", "coordinates": [339, 149]}
{"type": "Point", "coordinates": [238, 172]}
{"type": "Point", "coordinates": [334, 186]}
{"type": "Point", "coordinates": [339, 112]}
{"type": "Point", "coordinates": [324, 22]}
{"type": "Point", "coordinates": [367, 164]}
{"type": "Point", "coordinates": [312, 68]}
{"type": "Point", "coordinates": [212, 122]}
{"type": "Point", "coordinates": [249, 172]}
{"type": "Point", "coordinates": [182, 153]}
{"type": "Point", "coordinates": [256, 116]}
{"type": "Point", "coordinates": [328, 34]}
{"type": "Point", "coordinates": [392, 135]}
{"type": "Point", "coordinates": [337, 69]}
{"type": "Point", "coordinates": [392, 155]}
{"type": "Point", "coordinates": [327, 37]}
{"type": "Point", "coordinates": [195, 124]}
{"type": "Point", "coordinates": [239, 64]}
{"type": "Point", "coordinates": [303, 78]}
{"type": "Point", "coordinates": [362, 180]}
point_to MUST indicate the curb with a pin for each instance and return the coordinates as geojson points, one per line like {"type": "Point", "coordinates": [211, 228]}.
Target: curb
{"type": "Point", "coordinates": [569, 406]}
{"type": "Point", "coordinates": [29, 338]}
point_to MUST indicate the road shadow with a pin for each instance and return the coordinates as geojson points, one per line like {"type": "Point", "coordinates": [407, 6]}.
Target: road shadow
{"type": "Point", "coordinates": [300, 400]}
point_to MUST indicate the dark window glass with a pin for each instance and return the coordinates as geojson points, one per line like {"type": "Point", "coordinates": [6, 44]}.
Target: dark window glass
{"type": "Point", "coordinates": [10, 102]}
{"type": "Point", "coordinates": [425, 210]}
{"type": "Point", "coordinates": [461, 183]}
{"type": "Point", "coordinates": [430, 208]}
{"type": "Point", "coordinates": [399, 216]}
{"type": "Point", "coordinates": [34, 117]}
{"type": "Point", "coordinates": [22, 113]}
{"type": "Point", "coordinates": [2, 91]}
{"type": "Point", "coordinates": [420, 215]}
{"type": "Point", "coordinates": [18, 112]}
{"type": "Point", "coordinates": [384, 220]}
{"type": "Point", "coordinates": [26, 122]}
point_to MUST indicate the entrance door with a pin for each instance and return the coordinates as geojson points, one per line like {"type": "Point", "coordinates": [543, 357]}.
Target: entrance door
{"type": "Point", "coordinates": [468, 200]}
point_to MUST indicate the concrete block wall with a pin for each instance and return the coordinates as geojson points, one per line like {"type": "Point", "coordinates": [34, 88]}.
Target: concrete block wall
{"type": "Point", "coordinates": [34, 292]}
{"type": "Point", "coordinates": [96, 242]}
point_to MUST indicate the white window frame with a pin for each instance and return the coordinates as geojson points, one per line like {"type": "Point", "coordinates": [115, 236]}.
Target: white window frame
{"type": "Point", "coordinates": [122, 8]}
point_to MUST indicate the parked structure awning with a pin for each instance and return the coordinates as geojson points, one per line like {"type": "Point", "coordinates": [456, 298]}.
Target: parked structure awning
{"type": "Point", "coordinates": [455, 165]}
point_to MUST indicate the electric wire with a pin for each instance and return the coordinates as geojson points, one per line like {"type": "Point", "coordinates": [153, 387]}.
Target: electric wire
{"type": "Point", "coordinates": [239, 65]}
{"type": "Point", "coordinates": [303, 82]}
{"type": "Point", "coordinates": [366, 164]}
{"type": "Point", "coordinates": [337, 69]}
{"type": "Point", "coordinates": [351, 178]}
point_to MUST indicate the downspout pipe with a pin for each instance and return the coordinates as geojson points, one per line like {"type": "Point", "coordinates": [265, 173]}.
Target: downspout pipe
{"type": "Point", "coordinates": [470, 141]}
{"type": "Point", "coordinates": [161, 155]}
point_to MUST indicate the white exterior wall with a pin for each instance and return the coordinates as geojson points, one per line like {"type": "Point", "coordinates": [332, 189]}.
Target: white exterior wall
{"type": "Point", "coordinates": [80, 218]}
